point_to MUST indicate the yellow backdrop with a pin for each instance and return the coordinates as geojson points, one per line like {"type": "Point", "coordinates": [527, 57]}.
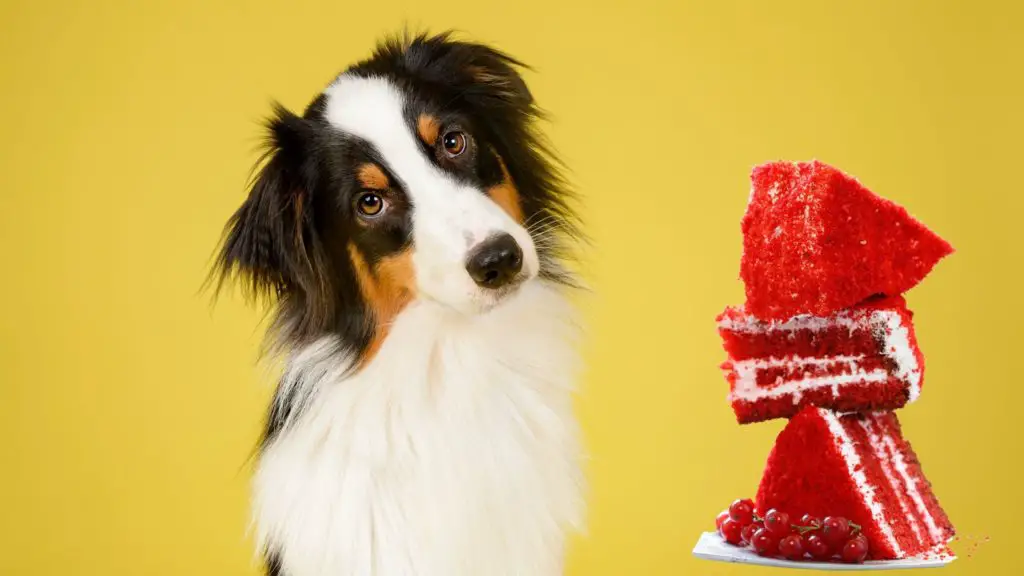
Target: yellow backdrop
{"type": "Point", "coordinates": [129, 404]}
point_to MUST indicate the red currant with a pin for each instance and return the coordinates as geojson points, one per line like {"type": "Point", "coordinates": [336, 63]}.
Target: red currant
{"type": "Point", "coordinates": [742, 511]}
{"type": "Point", "coordinates": [721, 519]}
{"type": "Point", "coordinates": [731, 531]}
{"type": "Point", "coordinates": [817, 547]}
{"type": "Point", "coordinates": [777, 523]}
{"type": "Point", "coordinates": [765, 543]}
{"type": "Point", "coordinates": [854, 551]}
{"type": "Point", "coordinates": [747, 534]}
{"type": "Point", "coordinates": [808, 520]}
{"type": "Point", "coordinates": [835, 530]}
{"type": "Point", "coordinates": [791, 547]}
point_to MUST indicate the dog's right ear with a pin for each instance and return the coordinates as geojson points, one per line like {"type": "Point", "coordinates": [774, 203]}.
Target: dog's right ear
{"type": "Point", "coordinates": [269, 243]}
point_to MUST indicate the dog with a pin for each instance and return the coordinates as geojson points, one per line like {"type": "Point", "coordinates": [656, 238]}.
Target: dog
{"type": "Point", "coordinates": [413, 233]}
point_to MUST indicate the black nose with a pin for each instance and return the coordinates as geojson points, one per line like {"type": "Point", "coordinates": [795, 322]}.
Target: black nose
{"type": "Point", "coordinates": [495, 262]}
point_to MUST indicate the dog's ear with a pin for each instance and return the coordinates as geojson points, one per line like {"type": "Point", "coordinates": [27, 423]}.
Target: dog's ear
{"type": "Point", "coordinates": [269, 242]}
{"type": "Point", "coordinates": [496, 74]}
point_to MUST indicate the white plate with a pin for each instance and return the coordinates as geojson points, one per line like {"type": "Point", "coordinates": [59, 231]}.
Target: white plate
{"type": "Point", "coordinates": [711, 546]}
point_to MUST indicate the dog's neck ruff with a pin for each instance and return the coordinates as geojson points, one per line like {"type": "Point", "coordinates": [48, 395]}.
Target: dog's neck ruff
{"type": "Point", "coordinates": [454, 451]}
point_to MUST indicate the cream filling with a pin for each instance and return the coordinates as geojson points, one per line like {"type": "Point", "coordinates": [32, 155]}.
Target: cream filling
{"type": "Point", "coordinates": [879, 449]}
{"type": "Point", "coordinates": [888, 324]}
{"type": "Point", "coordinates": [751, 325]}
{"type": "Point", "coordinates": [911, 485]}
{"type": "Point", "coordinates": [856, 471]}
{"type": "Point", "coordinates": [897, 347]}
{"type": "Point", "coordinates": [745, 385]}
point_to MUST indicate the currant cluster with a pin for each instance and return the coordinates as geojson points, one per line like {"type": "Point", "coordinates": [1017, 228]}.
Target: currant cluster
{"type": "Point", "coordinates": [774, 535]}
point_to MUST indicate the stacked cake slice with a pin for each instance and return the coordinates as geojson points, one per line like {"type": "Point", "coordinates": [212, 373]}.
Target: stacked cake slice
{"type": "Point", "coordinates": [865, 357]}
{"type": "Point", "coordinates": [815, 241]}
{"type": "Point", "coordinates": [825, 338]}
{"type": "Point", "coordinates": [859, 467]}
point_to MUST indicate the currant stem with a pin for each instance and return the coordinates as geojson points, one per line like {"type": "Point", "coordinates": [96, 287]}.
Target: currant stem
{"type": "Point", "coordinates": [854, 528]}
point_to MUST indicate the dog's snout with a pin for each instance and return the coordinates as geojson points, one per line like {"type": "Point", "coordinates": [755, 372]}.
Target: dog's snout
{"type": "Point", "coordinates": [495, 262]}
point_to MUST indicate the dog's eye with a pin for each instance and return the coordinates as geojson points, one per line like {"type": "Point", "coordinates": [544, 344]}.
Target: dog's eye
{"type": "Point", "coordinates": [455, 143]}
{"type": "Point", "coordinates": [370, 204]}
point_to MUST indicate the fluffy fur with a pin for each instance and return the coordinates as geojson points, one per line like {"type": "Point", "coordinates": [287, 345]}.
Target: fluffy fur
{"type": "Point", "coordinates": [423, 424]}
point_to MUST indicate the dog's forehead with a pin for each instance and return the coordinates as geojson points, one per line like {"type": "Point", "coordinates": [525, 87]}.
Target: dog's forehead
{"type": "Point", "coordinates": [371, 108]}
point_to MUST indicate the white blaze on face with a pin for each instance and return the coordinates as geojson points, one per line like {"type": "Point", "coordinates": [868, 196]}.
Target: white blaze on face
{"type": "Point", "coordinates": [449, 218]}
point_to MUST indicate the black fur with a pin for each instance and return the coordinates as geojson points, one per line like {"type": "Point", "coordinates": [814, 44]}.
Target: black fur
{"type": "Point", "coordinates": [288, 240]}
{"type": "Point", "coordinates": [273, 562]}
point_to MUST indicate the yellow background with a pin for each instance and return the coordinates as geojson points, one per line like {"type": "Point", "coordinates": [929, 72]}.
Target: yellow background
{"type": "Point", "coordinates": [129, 405]}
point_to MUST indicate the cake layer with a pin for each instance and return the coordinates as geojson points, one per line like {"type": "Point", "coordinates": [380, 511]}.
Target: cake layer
{"type": "Point", "coordinates": [864, 358]}
{"type": "Point", "coordinates": [857, 466]}
{"type": "Point", "coordinates": [816, 241]}
{"type": "Point", "coordinates": [885, 436]}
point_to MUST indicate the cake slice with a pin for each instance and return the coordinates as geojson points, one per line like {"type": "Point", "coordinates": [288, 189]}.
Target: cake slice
{"type": "Point", "coordinates": [816, 241]}
{"type": "Point", "coordinates": [857, 466]}
{"type": "Point", "coordinates": [864, 358]}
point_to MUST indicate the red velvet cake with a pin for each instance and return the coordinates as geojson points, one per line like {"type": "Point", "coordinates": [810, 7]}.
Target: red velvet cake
{"type": "Point", "coordinates": [864, 358]}
{"type": "Point", "coordinates": [816, 241]}
{"type": "Point", "coordinates": [857, 466]}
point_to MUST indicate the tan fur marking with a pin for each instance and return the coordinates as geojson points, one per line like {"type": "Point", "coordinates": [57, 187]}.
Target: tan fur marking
{"type": "Point", "coordinates": [484, 76]}
{"type": "Point", "coordinates": [506, 195]}
{"type": "Point", "coordinates": [428, 128]}
{"type": "Point", "coordinates": [500, 83]}
{"type": "Point", "coordinates": [387, 289]}
{"type": "Point", "coordinates": [372, 177]}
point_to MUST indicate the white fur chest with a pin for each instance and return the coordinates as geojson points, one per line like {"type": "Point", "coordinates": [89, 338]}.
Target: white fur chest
{"type": "Point", "coordinates": [455, 452]}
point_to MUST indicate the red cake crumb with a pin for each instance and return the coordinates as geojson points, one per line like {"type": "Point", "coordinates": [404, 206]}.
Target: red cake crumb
{"type": "Point", "coordinates": [816, 241]}
{"type": "Point", "coordinates": [865, 358]}
{"type": "Point", "coordinates": [857, 466]}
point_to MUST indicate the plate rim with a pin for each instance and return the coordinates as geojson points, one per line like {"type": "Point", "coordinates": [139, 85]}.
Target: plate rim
{"type": "Point", "coordinates": [708, 541]}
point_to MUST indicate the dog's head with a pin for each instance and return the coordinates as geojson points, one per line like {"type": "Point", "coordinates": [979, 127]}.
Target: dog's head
{"type": "Point", "coordinates": [417, 173]}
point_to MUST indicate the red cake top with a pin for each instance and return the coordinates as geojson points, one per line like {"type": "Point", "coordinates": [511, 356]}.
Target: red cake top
{"type": "Point", "coordinates": [816, 241]}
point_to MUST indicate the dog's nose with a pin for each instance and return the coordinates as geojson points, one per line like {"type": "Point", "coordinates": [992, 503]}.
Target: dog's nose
{"type": "Point", "coordinates": [495, 262]}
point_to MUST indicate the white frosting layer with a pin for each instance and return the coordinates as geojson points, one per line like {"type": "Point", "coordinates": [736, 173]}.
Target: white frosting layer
{"type": "Point", "coordinates": [761, 363]}
{"type": "Point", "coordinates": [886, 325]}
{"type": "Point", "coordinates": [751, 325]}
{"type": "Point", "coordinates": [878, 447]}
{"type": "Point", "coordinates": [910, 483]}
{"type": "Point", "coordinates": [856, 471]}
{"type": "Point", "coordinates": [896, 345]}
{"type": "Point", "coordinates": [746, 388]}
